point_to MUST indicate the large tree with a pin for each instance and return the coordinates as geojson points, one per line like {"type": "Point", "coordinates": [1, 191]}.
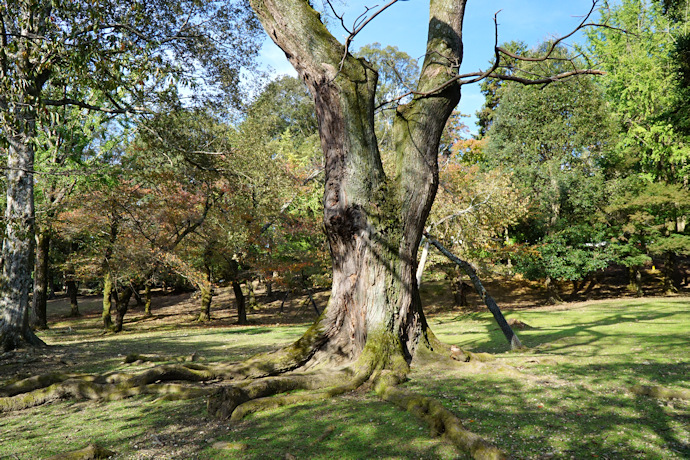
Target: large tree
{"type": "Point", "coordinates": [373, 326]}
{"type": "Point", "coordinates": [52, 51]}
{"type": "Point", "coordinates": [374, 323]}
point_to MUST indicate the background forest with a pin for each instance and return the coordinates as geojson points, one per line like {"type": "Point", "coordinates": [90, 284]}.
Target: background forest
{"type": "Point", "coordinates": [165, 175]}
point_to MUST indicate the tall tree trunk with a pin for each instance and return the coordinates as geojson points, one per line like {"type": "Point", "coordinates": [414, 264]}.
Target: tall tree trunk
{"type": "Point", "coordinates": [107, 300]}
{"type": "Point", "coordinates": [17, 245]}
{"type": "Point", "coordinates": [239, 302]}
{"type": "Point", "coordinates": [39, 318]}
{"type": "Point", "coordinates": [373, 223]}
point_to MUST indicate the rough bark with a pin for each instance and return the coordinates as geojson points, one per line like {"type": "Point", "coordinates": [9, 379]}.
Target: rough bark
{"type": "Point", "coordinates": [39, 318]}
{"type": "Point", "coordinates": [17, 246]}
{"type": "Point", "coordinates": [373, 223]}
{"type": "Point", "coordinates": [19, 105]}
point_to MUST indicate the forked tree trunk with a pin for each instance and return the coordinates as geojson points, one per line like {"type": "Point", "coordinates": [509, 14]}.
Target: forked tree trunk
{"type": "Point", "coordinates": [373, 223]}
{"type": "Point", "coordinates": [121, 306]}
{"type": "Point", "coordinates": [39, 317]}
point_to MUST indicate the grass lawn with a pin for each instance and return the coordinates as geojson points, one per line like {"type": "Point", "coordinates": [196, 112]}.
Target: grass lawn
{"type": "Point", "coordinates": [568, 396]}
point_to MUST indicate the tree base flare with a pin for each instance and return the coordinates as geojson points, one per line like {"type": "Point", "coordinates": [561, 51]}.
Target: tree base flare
{"type": "Point", "coordinates": [288, 376]}
{"type": "Point", "coordinates": [11, 339]}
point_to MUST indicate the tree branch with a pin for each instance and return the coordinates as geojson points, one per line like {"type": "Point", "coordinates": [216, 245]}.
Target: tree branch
{"type": "Point", "coordinates": [97, 108]}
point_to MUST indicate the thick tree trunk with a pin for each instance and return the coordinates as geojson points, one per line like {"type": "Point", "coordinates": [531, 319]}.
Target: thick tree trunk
{"type": "Point", "coordinates": [373, 223]}
{"type": "Point", "coordinates": [121, 306]}
{"type": "Point", "coordinates": [239, 302]}
{"type": "Point", "coordinates": [17, 246]}
{"type": "Point", "coordinates": [39, 318]}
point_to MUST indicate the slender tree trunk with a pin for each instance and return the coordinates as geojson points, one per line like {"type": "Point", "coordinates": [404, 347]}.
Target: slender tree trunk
{"type": "Point", "coordinates": [147, 300]}
{"type": "Point", "coordinates": [239, 302]}
{"type": "Point", "coordinates": [373, 223]}
{"type": "Point", "coordinates": [491, 304]}
{"type": "Point", "coordinates": [72, 294]}
{"type": "Point", "coordinates": [107, 300]}
{"type": "Point", "coordinates": [206, 288]}
{"type": "Point", "coordinates": [39, 317]}
{"type": "Point", "coordinates": [17, 246]}
{"type": "Point", "coordinates": [251, 296]}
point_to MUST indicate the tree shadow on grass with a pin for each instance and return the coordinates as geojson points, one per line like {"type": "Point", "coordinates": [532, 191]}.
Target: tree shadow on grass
{"type": "Point", "coordinates": [553, 338]}
{"type": "Point", "coordinates": [552, 421]}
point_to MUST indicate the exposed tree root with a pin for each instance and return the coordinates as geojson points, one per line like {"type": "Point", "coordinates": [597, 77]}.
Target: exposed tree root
{"type": "Point", "coordinates": [268, 381]}
{"type": "Point", "coordinates": [138, 358]}
{"type": "Point", "coordinates": [40, 390]}
{"type": "Point", "coordinates": [441, 421]}
{"type": "Point", "coordinates": [660, 392]}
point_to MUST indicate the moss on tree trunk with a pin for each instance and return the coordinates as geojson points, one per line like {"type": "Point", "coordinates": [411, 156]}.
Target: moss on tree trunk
{"type": "Point", "coordinates": [107, 300]}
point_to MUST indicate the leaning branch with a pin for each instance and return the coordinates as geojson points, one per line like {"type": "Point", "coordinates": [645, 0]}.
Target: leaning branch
{"type": "Point", "coordinates": [488, 300]}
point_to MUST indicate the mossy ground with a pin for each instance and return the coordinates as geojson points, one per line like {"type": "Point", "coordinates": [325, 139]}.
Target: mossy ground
{"type": "Point", "coordinates": [566, 397]}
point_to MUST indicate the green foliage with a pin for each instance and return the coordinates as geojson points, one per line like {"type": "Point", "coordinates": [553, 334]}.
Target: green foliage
{"type": "Point", "coordinates": [491, 87]}
{"type": "Point", "coordinates": [642, 87]}
{"type": "Point", "coordinates": [652, 218]}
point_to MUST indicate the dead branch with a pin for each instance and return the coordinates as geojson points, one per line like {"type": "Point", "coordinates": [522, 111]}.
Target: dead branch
{"type": "Point", "coordinates": [512, 338]}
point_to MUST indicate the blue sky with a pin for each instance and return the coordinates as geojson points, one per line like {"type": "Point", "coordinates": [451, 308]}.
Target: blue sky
{"type": "Point", "coordinates": [405, 25]}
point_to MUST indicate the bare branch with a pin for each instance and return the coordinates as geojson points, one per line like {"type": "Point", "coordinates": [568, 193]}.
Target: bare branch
{"type": "Point", "coordinates": [550, 79]}
{"type": "Point", "coordinates": [358, 28]}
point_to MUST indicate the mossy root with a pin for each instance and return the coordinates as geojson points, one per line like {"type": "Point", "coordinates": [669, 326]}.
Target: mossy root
{"type": "Point", "coordinates": [440, 420]}
{"type": "Point", "coordinates": [660, 392]}
{"type": "Point", "coordinates": [90, 452]}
